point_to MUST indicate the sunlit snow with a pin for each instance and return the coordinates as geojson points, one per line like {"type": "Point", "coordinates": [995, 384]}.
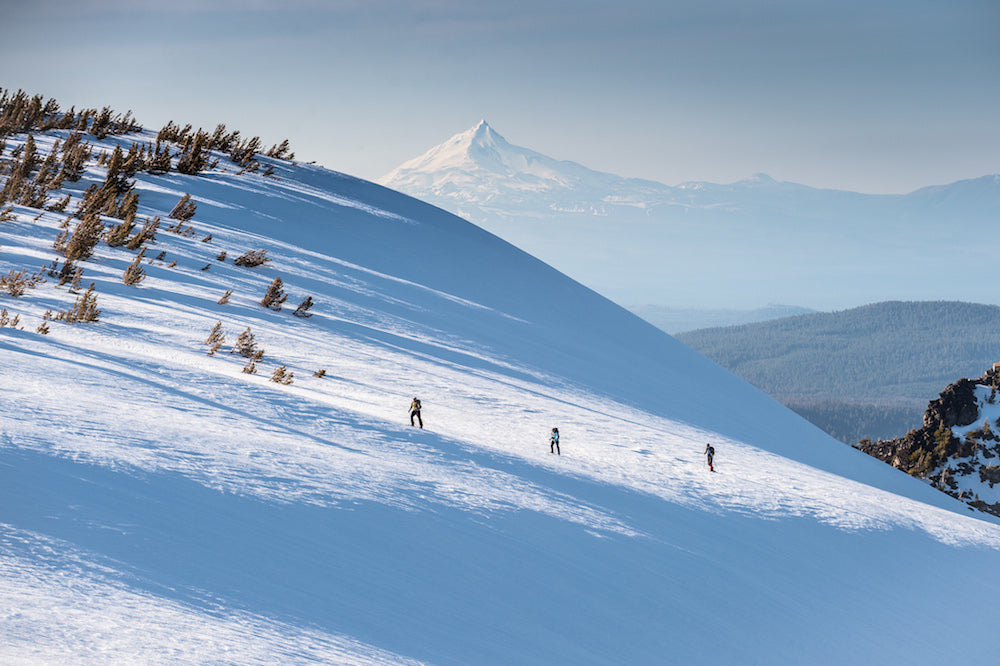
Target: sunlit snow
{"type": "Point", "coordinates": [159, 505]}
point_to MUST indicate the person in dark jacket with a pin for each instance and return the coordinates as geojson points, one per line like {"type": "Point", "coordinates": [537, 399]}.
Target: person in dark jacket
{"type": "Point", "coordinates": [415, 412]}
{"type": "Point", "coordinates": [554, 442]}
{"type": "Point", "coordinates": [710, 454]}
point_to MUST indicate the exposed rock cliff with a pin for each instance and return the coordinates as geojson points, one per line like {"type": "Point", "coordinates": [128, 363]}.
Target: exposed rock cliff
{"type": "Point", "coordinates": [956, 449]}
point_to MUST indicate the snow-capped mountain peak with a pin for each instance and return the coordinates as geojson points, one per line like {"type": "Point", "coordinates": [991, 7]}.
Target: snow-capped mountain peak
{"type": "Point", "coordinates": [479, 151]}
{"type": "Point", "coordinates": [473, 170]}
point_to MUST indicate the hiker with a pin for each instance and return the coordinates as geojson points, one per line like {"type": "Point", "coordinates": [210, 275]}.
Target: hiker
{"type": "Point", "coordinates": [710, 453]}
{"type": "Point", "coordinates": [415, 411]}
{"type": "Point", "coordinates": [554, 442]}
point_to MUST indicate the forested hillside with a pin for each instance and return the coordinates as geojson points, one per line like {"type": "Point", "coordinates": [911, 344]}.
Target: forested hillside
{"type": "Point", "coordinates": [867, 372]}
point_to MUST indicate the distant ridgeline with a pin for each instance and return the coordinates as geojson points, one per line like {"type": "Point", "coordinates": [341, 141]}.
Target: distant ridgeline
{"type": "Point", "coordinates": [861, 373]}
{"type": "Point", "coordinates": [957, 450]}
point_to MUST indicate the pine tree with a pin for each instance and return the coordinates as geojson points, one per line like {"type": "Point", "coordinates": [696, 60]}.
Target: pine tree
{"type": "Point", "coordinates": [281, 151]}
{"type": "Point", "coordinates": [84, 239]}
{"type": "Point", "coordinates": [281, 375]}
{"type": "Point", "coordinates": [303, 309]}
{"type": "Point", "coordinates": [60, 205]}
{"type": "Point", "coordinates": [7, 321]}
{"type": "Point", "coordinates": [275, 295]}
{"type": "Point", "coordinates": [74, 283]}
{"type": "Point", "coordinates": [246, 345]}
{"type": "Point", "coordinates": [134, 274]}
{"type": "Point", "coordinates": [159, 164]}
{"type": "Point", "coordinates": [252, 258]}
{"type": "Point", "coordinates": [117, 180]}
{"type": "Point", "coordinates": [83, 310]}
{"type": "Point", "coordinates": [66, 272]}
{"type": "Point", "coordinates": [118, 234]}
{"type": "Point", "coordinates": [216, 338]}
{"type": "Point", "coordinates": [184, 209]}
{"type": "Point", "coordinates": [194, 159]}
{"type": "Point", "coordinates": [146, 235]}
{"type": "Point", "coordinates": [76, 152]}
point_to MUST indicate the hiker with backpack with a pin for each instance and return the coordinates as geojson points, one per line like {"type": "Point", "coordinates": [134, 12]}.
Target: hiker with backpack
{"type": "Point", "coordinates": [415, 411]}
{"type": "Point", "coordinates": [710, 453]}
{"type": "Point", "coordinates": [554, 442]}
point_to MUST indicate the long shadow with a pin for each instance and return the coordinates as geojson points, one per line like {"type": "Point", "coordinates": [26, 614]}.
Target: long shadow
{"type": "Point", "coordinates": [446, 586]}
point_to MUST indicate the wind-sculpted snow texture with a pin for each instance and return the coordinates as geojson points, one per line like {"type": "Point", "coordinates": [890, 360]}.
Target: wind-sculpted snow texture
{"type": "Point", "coordinates": [158, 505]}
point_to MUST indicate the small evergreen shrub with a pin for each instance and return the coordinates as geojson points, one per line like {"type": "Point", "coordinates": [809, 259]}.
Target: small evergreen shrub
{"type": "Point", "coordinates": [7, 321]}
{"type": "Point", "coordinates": [83, 310]}
{"type": "Point", "coordinates": [15, 283]}
{"type": "Point", "coordinates": [281, 375]}
{"type": "Point", "coordinates": [252, 258]}
{"type": "Point", "coordinates": [303, 309]}
{"type": "Point", "coordinates": [146, 235]}
{"type": "Point", "coordinates": [216, 338]}
{"type": "Point", "coordinates": [275, 295]}
{"type": "Point", "coordinates": [184, 210]}
{"type": "Point", "coordinates": [246, 345]}
{"type": "Point", "coordinates": [134, 274]}
{"type": "Point", "coordinates": [84, 239]}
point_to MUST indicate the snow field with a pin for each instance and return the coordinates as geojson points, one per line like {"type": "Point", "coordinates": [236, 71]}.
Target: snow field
{"type": "Point", "coordinates": [181, 510]}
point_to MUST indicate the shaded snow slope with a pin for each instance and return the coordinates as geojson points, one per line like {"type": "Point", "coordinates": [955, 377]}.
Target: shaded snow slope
{"type": "Point", "coordinates": [175, 509]}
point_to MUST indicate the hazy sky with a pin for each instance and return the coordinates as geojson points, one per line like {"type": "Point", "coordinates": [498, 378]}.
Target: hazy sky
{"type": "Point", "coordinates": [867, 95]}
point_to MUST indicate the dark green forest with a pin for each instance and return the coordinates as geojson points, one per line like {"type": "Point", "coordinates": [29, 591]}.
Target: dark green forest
{"type": "Point", "coordinates": [867, 372]}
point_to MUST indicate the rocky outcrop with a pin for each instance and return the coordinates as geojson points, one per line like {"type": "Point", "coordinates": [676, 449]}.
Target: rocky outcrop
{"type": "Point", "coordinates": [933, 453]}
{"type": "Point", "coordinates": [955, 407]}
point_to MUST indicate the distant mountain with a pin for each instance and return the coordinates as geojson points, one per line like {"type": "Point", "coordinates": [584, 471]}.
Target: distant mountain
{"type": "Point", "coordinates": [863, 372]}
{"type": "Point", "coordinates": [679, 320]}
{"type": "Point", "coordinates": [486, 176]}
{"type": "Point", "coordinates": [706, 245]}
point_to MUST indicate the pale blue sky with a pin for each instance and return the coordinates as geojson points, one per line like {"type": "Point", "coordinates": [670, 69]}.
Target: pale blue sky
{"type": "Point", "coordinates": [873, 96]}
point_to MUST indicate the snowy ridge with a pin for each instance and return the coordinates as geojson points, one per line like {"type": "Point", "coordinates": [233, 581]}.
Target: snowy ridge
{"type": "Point", "coordinates": [178, 509]}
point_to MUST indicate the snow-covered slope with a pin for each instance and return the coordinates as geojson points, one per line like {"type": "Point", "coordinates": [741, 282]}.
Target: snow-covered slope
{"type": "Point", "coordinates": [159, 505]}
{"type": "Point", "coordinates": [706, 245]}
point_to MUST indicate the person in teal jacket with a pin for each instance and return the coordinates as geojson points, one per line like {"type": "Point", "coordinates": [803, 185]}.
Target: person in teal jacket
{"type": "Point", "coordinates": [554, 442]}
